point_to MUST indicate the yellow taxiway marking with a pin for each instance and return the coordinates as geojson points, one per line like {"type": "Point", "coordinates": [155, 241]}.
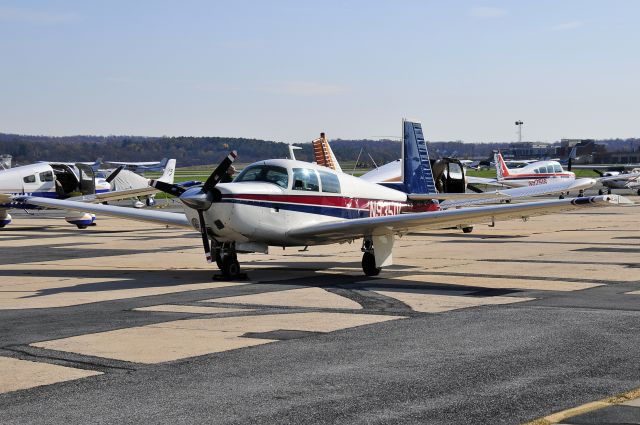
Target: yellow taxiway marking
{"type": "Point", "coordinates": [171, 308]}
{"type": "Point", "coordinates": [629, 398]}
{"type": "Point", "coordinates": [303, 297]}
{"type": "Point", "coordinates": [490, 282]}
{"type": "Point", "coordinates": [435, 303]}
{"type": "Point", "coordinates": [22, 374]}
{"type": "Point", "coordinates": [180, 339]}
{"type": "Point", "coordinates": [31, 292]}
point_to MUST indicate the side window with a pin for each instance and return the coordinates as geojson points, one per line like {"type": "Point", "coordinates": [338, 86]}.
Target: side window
{"type": "Point", "coordinates": [305, 179]}
{"type": "Point", "coordinates": [557, 168]}
{"type": "Point", "coordinates": [47, 176]}
{"type": "Point", "coordinates": [536, 171]}
{"type": "Point", "coordinates": [330, 182]}
{"type": "Point", "coordinates": [30, 179]}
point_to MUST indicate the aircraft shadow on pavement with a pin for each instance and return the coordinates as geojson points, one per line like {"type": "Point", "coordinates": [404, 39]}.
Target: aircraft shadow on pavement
{"type": "Point", "coordinates": [59, 252]}
{"type": "Point", "coordinates": [115, 280]}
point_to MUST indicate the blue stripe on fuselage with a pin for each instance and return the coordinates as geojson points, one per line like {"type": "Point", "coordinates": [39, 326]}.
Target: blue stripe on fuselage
{"type": "Point", "coordinates": [50, 195]}
{"type": "Point", "coordinates": [348, 213]}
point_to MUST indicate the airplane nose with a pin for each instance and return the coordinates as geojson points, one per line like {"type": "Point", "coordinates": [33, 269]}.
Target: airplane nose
{"type": "Point", "coordinates": [196, 198]}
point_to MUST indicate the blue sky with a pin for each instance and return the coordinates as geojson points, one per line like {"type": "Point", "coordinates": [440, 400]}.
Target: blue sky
{"type": "Point", "coordinates": [287, 70]}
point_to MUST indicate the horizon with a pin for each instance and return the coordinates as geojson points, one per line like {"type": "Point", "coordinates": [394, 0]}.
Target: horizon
{"type": "Point", "coordinates": [286, 71]}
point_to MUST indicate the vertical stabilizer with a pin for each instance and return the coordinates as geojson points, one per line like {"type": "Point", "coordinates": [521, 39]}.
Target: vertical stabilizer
{"type": "Point", "coordinates": [323, 154]}
{"type": "Point", "coordinates": [169, 171]}
{"type": "Point", "coordinates": [501, 167]}
{"type": "Point", "coordinates": [416, 168]}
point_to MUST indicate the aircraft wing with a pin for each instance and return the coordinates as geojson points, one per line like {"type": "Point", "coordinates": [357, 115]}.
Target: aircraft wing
{"type": "Point", "coordinates": [628, 176]}
{"type": "Point", "coordinates": [148, 163]}
{"type": "Point", "coordinates": [483, 180]}
{"type": "Point", "coordinates": [153, 216]}
{"type": "Point", "coordinates": [403, 223]}
{"type": "Point", "coordinates": [115, 195]}
{"type": "Point", "coordinates": [517, 193]}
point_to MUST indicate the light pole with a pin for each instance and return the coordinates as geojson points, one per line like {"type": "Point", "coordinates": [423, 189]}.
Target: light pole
{"type": "Point", "coordinates": [519, 124]}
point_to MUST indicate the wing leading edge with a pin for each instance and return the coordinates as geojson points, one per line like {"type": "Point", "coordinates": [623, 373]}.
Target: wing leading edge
{"type": "Point", "coordinates": [152, 216]}
{"type": "Point", "coordinates": [397, 224]}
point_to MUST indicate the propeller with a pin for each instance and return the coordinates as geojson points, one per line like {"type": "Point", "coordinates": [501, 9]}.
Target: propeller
{"type": "Point", "coordinates": [113, 174]}
{"type": "Point", "coordinates": [200, 198]}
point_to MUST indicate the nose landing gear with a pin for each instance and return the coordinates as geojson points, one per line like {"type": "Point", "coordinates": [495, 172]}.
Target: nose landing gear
{"type": "Point", "coordinates": [227, 261]}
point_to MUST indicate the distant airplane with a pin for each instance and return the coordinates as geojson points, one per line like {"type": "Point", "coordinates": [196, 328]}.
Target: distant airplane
{"type": "Point", "coordinates": [535, 173]}
{"type": "Point", "coordinates": [67, 181]}
{"type": "Point", "coordinates": [282, 202]}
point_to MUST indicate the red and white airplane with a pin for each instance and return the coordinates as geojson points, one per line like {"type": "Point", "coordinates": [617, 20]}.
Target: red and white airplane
{"type": "Point", "coordinates": [533, 174]}
{"type": "Point", "coordinates": [285, 203]}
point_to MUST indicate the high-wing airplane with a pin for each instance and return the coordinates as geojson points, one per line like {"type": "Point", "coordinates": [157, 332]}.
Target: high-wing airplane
{"type": "Point", "coordinates": [75, 182]}
{"type": "Point", "coordinates": [284, 203]}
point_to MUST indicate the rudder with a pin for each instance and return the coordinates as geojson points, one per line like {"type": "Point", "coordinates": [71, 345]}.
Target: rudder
{"type": "Point", "coordinates": [417, 175]}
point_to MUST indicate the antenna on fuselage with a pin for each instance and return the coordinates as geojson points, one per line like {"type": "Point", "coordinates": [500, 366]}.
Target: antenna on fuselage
{"type": "Point", "coordinates": [292, 155]}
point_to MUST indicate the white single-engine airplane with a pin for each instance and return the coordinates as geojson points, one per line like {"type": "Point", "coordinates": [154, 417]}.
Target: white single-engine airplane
{"type": "Point", "coordinates": [74, 182]}
{"type": "Point", "coordinates": [283, 203]}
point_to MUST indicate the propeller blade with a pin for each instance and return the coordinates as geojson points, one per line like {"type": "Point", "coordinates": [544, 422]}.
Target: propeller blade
{"type": "Point", "coordinates": [205, 239]}
{"type": "Point", "coordinates": [219, 172]}
{"type": "Point", "coordinates": [171, 189]}
{"type": "Point", "coordinates": [113, 174]}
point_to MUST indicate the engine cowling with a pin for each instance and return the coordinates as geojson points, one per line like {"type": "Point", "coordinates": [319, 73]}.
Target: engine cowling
{"type": "Point", "coordinates": [5, 218]}
{"type": "Point", "coordinates": [82, 220]}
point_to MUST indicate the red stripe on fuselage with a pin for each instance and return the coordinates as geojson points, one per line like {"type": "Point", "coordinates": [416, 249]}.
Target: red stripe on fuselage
{"type": "Point", "coordinates": [535, 176]}
{"type": "Point", "coordinates": [334, 201]}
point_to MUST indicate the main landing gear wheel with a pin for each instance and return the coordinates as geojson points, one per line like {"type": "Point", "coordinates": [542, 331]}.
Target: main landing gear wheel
{"type": "Point", "coordinates": [561, 196]}
{"type": "Point", "coordinates": [369, 264]}
{"type": "Point", "coordinates": [600, 192]}
{"type": "Point", "coordinates": [467, 229]}
{"type": "Point", "coordinates": [609, 191]}
{"type": "Point", "coordinates": [230, 266]}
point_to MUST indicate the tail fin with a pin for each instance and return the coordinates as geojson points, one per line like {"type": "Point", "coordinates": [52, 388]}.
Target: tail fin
{"type": "Point", "coordinates": [572, 156]}
{"type": "Point", "coordinates": [323, 155]}
{"type": "Point", "coordinates": [501, 167]}
{"type": "Point", "coordinates": [169, 171]}
{"type": "Point", "coordinates": [416, 168]}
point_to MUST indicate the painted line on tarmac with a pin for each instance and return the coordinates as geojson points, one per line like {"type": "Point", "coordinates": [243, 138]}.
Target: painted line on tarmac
{"type": "Point", "coordinates": [562, 415]}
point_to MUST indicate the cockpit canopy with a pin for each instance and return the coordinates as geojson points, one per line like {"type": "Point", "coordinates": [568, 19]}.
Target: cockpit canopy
{"type": "Point", "coordinates": [296, 178]}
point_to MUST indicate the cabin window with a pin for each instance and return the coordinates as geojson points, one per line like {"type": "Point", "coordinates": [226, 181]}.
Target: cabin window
{"type": "Point", "coordinates": [47, 176]}
{"type": "Point", "coordinates": [305, 179]}
{"type": "Point", "coordinates": [557, 168]}
{"type": "Point", "coordinates": [30, 179]}
{"type": "Point", "coordinates": [264, 173]}
{"type": "Point", "coordinates": [330, 182]}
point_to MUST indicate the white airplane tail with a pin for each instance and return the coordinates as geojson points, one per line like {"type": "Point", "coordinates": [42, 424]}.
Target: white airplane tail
{"type": "Point", "coordinates": [169, 172]}
{"type": "Point", "coordinates": [501, 167]}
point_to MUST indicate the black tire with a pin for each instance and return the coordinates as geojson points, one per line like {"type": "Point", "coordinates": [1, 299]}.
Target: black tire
{"type": "Point", "coordinates": [81, 226]}
{"type": "Point", "coordinates": [609, 191]}
{"type": "Point", "coordinates": [600, 192]}
{"type": "Point", "coordinates": [218, 259]}
{"type": "Point", "coordinates": [561, 197]}
{"type": "Point", "coordinates": [230, 266]}
{"type": "Point", "coordinates": [638, 192]}
{"type": "Point", "coordinates": [369, 264]}
{"type": "Point", "coordinates": [467, 229]}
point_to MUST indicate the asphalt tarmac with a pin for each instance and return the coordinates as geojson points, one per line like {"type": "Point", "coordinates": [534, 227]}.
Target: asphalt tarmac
{"type": "Point", "coordinates": [123, 323]}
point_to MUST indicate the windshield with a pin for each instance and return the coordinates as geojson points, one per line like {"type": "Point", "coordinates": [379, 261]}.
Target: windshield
{"type": "Point", "coordinates": [264, 173]}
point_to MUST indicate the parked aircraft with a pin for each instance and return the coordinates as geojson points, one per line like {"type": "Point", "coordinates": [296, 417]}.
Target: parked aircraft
{"type": "Point", "coordinates": [281, 202]}
{"type": "Point", "coordinates": [67, 181]}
